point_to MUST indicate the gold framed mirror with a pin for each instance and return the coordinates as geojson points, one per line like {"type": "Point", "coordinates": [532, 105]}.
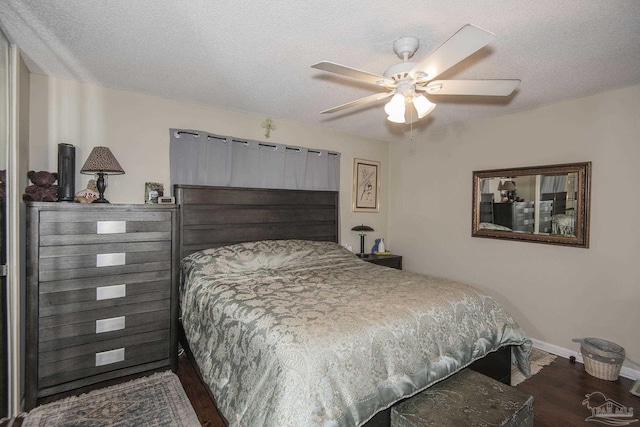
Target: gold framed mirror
{"type": "Point", "coordinates": [542, 204]}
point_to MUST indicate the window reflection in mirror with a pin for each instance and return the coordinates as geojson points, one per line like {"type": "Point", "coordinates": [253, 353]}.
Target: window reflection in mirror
{"type": "Point", "coordinates": [547, 204]}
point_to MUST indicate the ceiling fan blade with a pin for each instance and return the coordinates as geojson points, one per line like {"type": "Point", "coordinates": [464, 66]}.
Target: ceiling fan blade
{"type": "Point", "coordinates": [365, 100]}
{"type": "Point", "coordinates": [363, 76]}
{"type": "Point", "coordinates": [468, 40]}
{"type": "Point", "coordinates": [471, 87]}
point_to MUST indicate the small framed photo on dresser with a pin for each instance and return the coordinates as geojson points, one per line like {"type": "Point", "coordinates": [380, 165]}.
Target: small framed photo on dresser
{"type": "Point", "coordinates": [366, 186]}
{"type": "Point", "coordinates": [153, 190]}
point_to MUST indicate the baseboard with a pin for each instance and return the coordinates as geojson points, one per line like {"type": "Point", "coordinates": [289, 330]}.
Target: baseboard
{"type": "Point", "coordinates": [626, 371]}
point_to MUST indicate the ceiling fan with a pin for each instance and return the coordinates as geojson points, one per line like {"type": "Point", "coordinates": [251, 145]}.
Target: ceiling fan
{"type": "Point", "coordinates": [405, 80]}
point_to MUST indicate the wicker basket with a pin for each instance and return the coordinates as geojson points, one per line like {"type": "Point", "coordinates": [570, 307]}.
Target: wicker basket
{"type": "Point", "coordinates": [602, 359]}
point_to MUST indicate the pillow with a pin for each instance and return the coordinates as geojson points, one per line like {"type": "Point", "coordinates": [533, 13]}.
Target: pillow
{"type": "Point", "coordinates": [263, 254]}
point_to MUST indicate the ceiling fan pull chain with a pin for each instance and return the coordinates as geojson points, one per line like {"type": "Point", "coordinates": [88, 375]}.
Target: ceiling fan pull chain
{"type": "Point", "coordinates": [411, 128]}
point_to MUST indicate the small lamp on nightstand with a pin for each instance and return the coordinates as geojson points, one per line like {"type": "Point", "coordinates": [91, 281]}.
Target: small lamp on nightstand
{"type": "Point", "coordinates": [362, 228]}
{"type": "Point", "coordinates": [510, 188]}
{"type": "Point", "coordinates": [101, 162]}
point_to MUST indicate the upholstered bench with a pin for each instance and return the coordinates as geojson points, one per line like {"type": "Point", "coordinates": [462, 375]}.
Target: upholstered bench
{"type": "Point", "coordinates": [465, 399]}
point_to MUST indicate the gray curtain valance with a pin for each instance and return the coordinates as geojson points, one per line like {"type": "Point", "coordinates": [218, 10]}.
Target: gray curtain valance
{"type": "Point", "coordinates": [553, 184]}
{"type": "Point", "coordinates": [484, 188]}
{"type": "Point", "coordinates": [202, 158]}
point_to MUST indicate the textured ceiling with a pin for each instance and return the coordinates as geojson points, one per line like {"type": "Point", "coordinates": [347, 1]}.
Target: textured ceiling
{"type": "Point", "coordinates": [256, 56]}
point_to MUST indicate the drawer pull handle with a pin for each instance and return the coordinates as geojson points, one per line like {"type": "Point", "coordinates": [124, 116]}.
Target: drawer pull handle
{"type": "Point", "coordinates": [112, 227]}
{"type": "Point", "coordinates": [109, 357]}
{"type": "Point", "coordinates": [110, 292]}
{"type": "Point", "coordinates": [109, 260]}
{"type": "Point", "coordinates": [111, 324]}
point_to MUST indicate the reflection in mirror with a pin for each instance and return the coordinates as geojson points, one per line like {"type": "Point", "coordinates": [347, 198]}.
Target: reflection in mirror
{"type": "Point", "coordinates": [547, 204]}
{"type": "Point", "coordinates": [511, 202]}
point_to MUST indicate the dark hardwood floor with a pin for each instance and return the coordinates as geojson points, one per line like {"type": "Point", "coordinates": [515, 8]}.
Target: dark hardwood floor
{"type": "Point", "coordinates": [198, 395]}
{"type": "Point", "coordinates": [558, 390]}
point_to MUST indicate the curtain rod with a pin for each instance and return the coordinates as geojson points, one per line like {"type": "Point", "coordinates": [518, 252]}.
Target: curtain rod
{"type": "Point", "coordinates": [180, 132]}
{"type": "Point", "coordinates": [220, 138]}
{"type": "Point", "coordinates": [262, 144]}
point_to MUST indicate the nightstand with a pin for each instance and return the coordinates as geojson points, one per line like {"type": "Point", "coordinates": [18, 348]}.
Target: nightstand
{"type": "Point", "coordinates": [393, 261]}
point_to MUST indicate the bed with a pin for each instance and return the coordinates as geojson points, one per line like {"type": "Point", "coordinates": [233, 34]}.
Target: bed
{"type": "Point", "coordinates": [562, 218]}
{"type": "Point", "coordinates": [287, 328]}
{"type": "Point", "coordinates": [494, 227]}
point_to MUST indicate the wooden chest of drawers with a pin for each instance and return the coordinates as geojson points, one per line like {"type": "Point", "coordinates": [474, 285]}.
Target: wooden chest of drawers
{"type": "Point", "coordinates": [518, 216]}
{"type": "Point", "coordinates": [545, 207]}
{"type": "Point", "coordinates": [101, 294]}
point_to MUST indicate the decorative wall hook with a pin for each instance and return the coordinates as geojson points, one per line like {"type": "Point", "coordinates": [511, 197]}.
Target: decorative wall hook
{"type": "Point", "coordinates": [269, 126]}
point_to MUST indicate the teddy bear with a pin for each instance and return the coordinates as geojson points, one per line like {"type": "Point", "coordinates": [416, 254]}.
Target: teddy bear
{"type": "Point", "coordinates": [89, 194]}
{"type": "Point", "coordinates": [42, 189]}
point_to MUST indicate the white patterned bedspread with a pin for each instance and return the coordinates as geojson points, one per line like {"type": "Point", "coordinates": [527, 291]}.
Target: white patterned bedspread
{"type": "Point", "coordinates": [298, 333]}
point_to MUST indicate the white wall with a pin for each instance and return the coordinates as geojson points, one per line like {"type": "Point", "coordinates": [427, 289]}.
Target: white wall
{"type": "Point", "coordinates": [555, 293]}
{"type": "Point", "coordinates": [136, 129]}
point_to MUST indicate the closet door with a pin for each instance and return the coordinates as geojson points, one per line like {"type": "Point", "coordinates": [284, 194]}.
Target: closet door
{"type": "Point", "coordinates": [4, 139]}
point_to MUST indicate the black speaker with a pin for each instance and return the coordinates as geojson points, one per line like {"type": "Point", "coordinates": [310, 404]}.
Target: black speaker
{"type": "Point", "coordinates": [66, 172]}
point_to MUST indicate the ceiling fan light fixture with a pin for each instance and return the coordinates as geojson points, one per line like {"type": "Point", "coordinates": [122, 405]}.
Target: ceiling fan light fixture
{"type": "Point", "coordinates": [422, 105]}
{"type": "Point", "coordinates": [396, 118]}
{"type": "Point", "coordinates": [395, 107]}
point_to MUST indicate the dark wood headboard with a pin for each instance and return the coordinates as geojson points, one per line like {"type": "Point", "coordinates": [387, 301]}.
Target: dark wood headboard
{"type": "Point", "coordinates": [211, 217]}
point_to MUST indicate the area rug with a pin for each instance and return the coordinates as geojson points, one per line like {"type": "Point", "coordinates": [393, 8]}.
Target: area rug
{"type": "Point", "coordinates": [157, 400]}
{"type": "Point", "coordinates": [538, 360]}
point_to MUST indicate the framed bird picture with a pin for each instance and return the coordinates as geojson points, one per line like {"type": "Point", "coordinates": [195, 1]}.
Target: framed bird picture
{"type": "Point", "coordinates": [366, 186]}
